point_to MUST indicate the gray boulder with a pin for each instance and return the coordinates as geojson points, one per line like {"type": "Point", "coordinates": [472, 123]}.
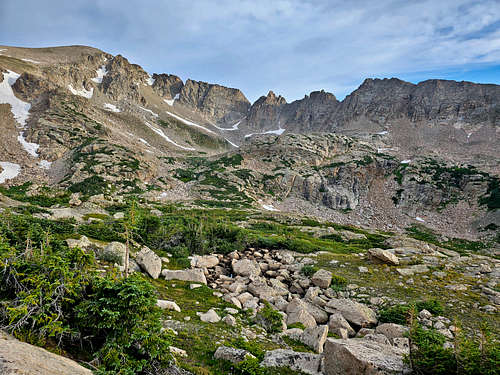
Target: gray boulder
{"type": "Point", "coordinates": [315, 337]}
{"type": "Point", "coordinates": [306, 362]}
{"type": "Point", "coordinates": [360, 356]}
{"type": "Point", "coordinates": [246, 267]}
{"type": "Point", "coordinates": [149, 262]}
{"type": "Point", "coordinates": [205, 261]}
{"type": "Point", "coordinates": [195, 275]}
{"type": "Point", "coordinates": [338, 323]}
{"type": "Point", "coordinates": [322, 278]}
{"type": "Point", "coordinates": [354, 312]}
{"type": "Point", "coordinates": [209, 317]}
{"type": "Point", "coordinates": [297, 313]}
{"type": "Point", "coordinates": [232, 355]}
{"type": "Point", "coordinates": [384, 256]}
{"type": "Point", "coordinates": [115, 249]}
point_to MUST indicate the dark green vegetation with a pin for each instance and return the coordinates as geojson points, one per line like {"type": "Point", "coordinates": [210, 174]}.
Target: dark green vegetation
{"type": "Point", "coordinates": [51, 295]}
{"type": "Point", "coordinates": [479, 355]}
{"type": "Point", "coordinates": [46, 197]}
{"type": "Point", "coordinates": [400, 314]}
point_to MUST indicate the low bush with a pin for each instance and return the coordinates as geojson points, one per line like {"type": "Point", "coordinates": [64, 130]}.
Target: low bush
{"type": "Point", "coordinates": [309, 270]}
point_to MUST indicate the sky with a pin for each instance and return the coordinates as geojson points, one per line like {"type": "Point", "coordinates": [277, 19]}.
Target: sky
{"type": "Point", "coordinates": [292, 47]}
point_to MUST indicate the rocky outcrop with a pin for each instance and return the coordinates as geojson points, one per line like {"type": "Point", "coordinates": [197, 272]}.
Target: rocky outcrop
{"type": "Point", "coordinates": [195, 275]}
{"type": "Point", "coordinates": [167, 86]}
{"type": "Point", "coordinates": [20, 358]}
{"type": "Point", "coordinates": [214, 102]}
{"type": "Point", "coordinates": [149, 262]}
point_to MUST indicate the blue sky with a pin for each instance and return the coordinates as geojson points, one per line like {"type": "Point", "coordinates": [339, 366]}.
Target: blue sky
{"type": "Point", "coordinates": [292, 47]}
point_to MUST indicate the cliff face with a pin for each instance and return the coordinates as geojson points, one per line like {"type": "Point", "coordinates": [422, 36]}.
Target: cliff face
{"type": "Point", "coordinates": [215, 103]}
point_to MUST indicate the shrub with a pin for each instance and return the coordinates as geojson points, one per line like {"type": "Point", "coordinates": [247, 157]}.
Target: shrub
{"type": "Point", "coordinates": [433, 306]}
{"type": "Point", "coordinates": [308, 270]}
{"type": "Point", "coordinates": [270, 319]}
{"type": "Point", "coordinates": [338, 282]}
{"type": "Point", "coordinates": [395, 314]}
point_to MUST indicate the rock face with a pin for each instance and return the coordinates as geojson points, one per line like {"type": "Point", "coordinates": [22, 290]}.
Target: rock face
{"type": "Point", "coordinates": [359, 356]}
{"type": "Point", "coordinates": [149, 262]}
{"type": "Point", "coordinates": [305, 362]}
{"type": "Point", "coordinates": [218, 103]}
{"type": "Point", "coordinates": [19, 358]}
{"type": "Point", "coordinates": [195, 275]}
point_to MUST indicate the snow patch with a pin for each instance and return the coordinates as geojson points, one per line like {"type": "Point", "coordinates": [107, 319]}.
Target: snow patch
{"type": "Point", "coordinates": [234, 127]}
{"type": "Point", "coordinates": [101, 72]}
{"type": "Point", "coordinates": [31, 148]}
{"type": "Point", "coordinates": [19, 108]}
{"type": "Point", "coordinates": [111, 107]}
{"type": "Point", "coordinates": [231, 143]}
{"type": "Point", "coordinates": [382, 132]}
{"type": "Point", "coordinates": [144, 141]}
{"type": "Point", "coordinates": [150, 111]}
{"type": "Point", "coordinates": [31, 61]}
{"type": "Point", "coordinates": [151, 81]}
{"type": "Point", "coordinates": [190, 123]}
{"type": "Point", "coordinates": [408, 161]}
{"type": "Point", "coordinates": [170, 102]}
{"type": "Point", "coordinates": [418, 218]}
{"type": "Point", "coordinates": [278, 131]}
{"type": "Point", "coordinates": [45, 164]}
{"type": "Point", "coordinates": [164, 136]}
{"type": "Point", "coordinates": [85, 93]}
{"type": "Point", "coordinates": [269, 207]}
{"type": "Point", "coordinates": [10, 170]}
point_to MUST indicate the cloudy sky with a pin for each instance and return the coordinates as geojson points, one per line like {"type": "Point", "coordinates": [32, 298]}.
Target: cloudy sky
{"type": "Point", "coordinates": [289, 46]}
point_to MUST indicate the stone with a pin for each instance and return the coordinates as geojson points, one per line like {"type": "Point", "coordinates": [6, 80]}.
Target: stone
{"type": "Point", "coordinates": [204, 261]}
{"type": "Point", "coordinates": [82, 243]}
{"type": "Point", "coordinates": [194, 275]}
{"type": "Point", "coordinates": [293, 333]}
{"type": "Point", "coordinates": [232, 355]}
{"type": "Point", "coordinates": [362, 269]}
{"type": "Point", "coordinates": [354, 312]}
{"type": "Point", "coordinates": [308, 363]}
{"type": "Point", "coordinates": [315, 337]}
{"type": "Point", "coordinates": [384, 256]}
{"type": "Point", "coordinates": [194, 286]}
{"type": "Point", "coordinates": [119, 215]}
{"type": "Point", "coordinates": [167, 305]}
{"type": "Point", "coordinates": [297, 313]}
{"type": "Point", "coordinates": [360, 356]}
{"type": "Point", "coordinates": [337, 323]}
{"type": "Point", "coordinates": [20, 358]}
{"type": "Point", "coordinates": [391, 330]}
{"type": "Point", "coordinates": [381, 339]}
{"type": "Point", "coordinates": [259, 288]}
{"type": "Point", "coordinates": [116, 249]}
{"type": "Point", "coordinates": [210, 316]}
{"type": "Point", "coordinates": [424, 314]}
{"type": "Point", "coordinates": [279, 288]}
{"type": "Point", "coordinates": [322, 278]}
{"type": "Point", "coordinates": [402, 343]}
{"type": "Point", "coordinates": [229, 320]}
{"type": "Point", "coordinates": [246, 267]}
{"type": "Point", "coordinates": [74, 200]}
{"type": "Point", "coordinates": [319, 315]}
{"type": "Point", "coordinates": [149, 262]}
{"type": "Point", "coordinates": [177, 351]}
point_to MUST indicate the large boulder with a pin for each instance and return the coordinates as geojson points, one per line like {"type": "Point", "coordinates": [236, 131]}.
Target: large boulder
{"type": "Point", "coordinates": [259, 288]}
{"type": "Point", "coordinates": [315, 337]}
{"type": "Point", "coordinates": [322, 278]}
{"type": "Point", "coordinates": [339, 326]}
{"type": "Point", "coordinates": [209, 317]}
{"type": "Point", "coordinates": [391, 330]}
{"type": "Point", "coordinates": [359, 356]}
{"type": "Point", "coordinates": [20, 358]}
{"type": "Point", "coordinates": [297, 313]}
{"type": "Point", "coordinates": [115, 250]}
{"type": "Point", "coordinates": [149, 262]}
{"type": "Point", "coordinates": [167, 305]}
{"type": "Point", "coordinates": [384, 256]}
{"type": "Point", "coordinates": [195, 275]}
{"type": "Point", "coordinates": [308, 363]}
{"type": "Point", "coordinates": [82, 243]}
{"type": "Point", "coordinates": [354, 312]}
{"type": "Point", "coordinates": [204, 261]}
{"type": "Point", "coordinates": [232, 355]}
{"type": "Point", "coordinates": [246, 267]}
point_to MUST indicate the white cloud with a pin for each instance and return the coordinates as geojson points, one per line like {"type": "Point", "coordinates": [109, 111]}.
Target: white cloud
{"type": "Point", "coordinates": [289, 46]}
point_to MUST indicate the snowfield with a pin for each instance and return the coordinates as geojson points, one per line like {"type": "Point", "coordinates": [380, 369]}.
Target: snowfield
{"type": "Point", "coordinates": [111, 107]}
{"type": "Point", "coordinates": [150, 111]}
{"type": "Point", "coordinates": [269, 207]}
{"type": "Point", "coordinates": [278, 131]}
{"type": "Point", "coordinates": [45, 164]}
{"type": "Point", "coordinates": [31, 61]}
{"type": "Point", "coordinates": [85, 93]}
{"type": "Point", "coordinates": [101, 72]}
{"type": "Point", "coordinates": [10, 171]}
{"type": "Point", "coordinates": [170, 102]}
{"type": "Point", "coordinates": [190, 123]}
{"type": "Point", "coordinates": [164, 136]}
{"type": "Point", "coordinates": [19, 108]}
